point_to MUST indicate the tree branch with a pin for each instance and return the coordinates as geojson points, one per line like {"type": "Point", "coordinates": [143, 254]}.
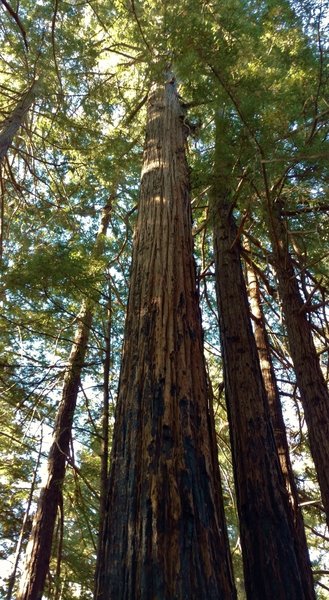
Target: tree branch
{"type": "Point", "coordinates": [17, 20]}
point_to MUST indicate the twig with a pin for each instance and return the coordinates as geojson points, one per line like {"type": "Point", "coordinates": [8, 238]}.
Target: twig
{"type": "Point", "coordinates": [53, 25]}
{"type": "Point", "coordinates": [14, 15]}
{"type": "Point", "coordinates": [140, 27]}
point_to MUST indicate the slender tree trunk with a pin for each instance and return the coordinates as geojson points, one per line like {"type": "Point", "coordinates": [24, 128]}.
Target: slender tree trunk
{"type": "Point", "coordinates": [310, 380]}
{"type": "Point", "coordinates": [38, 552]}
{"type": "Point", "coordinates": [267, 539]}
{"type": "Point", "coordinates": [2, 213]}
{"type": "Point", "coordinates": [105, 445]}
{"type": "Point", "coordinates": [15, 120]}
{"type": "Point", "coordinates": [165, 534]}
{"type": "Point", "coordinates": [279, 429]}
{"type": "Point", "coordinates": [60, 537]}
{"type": "Point", "coordinates": [12, 577]}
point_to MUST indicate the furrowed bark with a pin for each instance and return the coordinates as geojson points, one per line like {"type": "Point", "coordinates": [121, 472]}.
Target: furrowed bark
{"type": "Point", "coordinates": [165, 534]}
{"type": "Point", "coordinates": [310, 379]}
{"type": "Point", "coordinates": [270, 564]}
{"type": "Point", "coordinates": [38, 552]}
{"type": "Point", "coordinates": [279, 429]}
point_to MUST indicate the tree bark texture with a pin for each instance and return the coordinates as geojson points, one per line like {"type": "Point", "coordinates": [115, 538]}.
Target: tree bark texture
{"type": "Point", "coordinates": [38, 552]}
{"type": "Point", "coordinates": [279, 429]}
{"type": "Point", "coordinates": [15, 120]}
{"type": "Point", "coordinates": [310, 379]}
{"type": "Point", "coordinates": [165, 536]}
{"type": "Point", "coordinates": [270, 564]}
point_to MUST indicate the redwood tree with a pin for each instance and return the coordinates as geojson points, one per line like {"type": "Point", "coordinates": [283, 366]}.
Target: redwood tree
{"type": "Point", "coordinates": [309, 376]}
{"type": "Point", "coordinates": [165, 535]}
{"type": "Point", "coordinates": [38, 552]}
{"type": "Point", "coordinates": [270, 560]}
{"type": "Point", "coordinates": [278, 424]}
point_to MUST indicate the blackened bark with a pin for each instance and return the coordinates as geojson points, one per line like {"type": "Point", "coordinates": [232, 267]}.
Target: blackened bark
{"type": "Point", "coordinates": [165, 534]}
{"type": "Point", "coordinates": [270, 565]}
{"type": "Point", "coordinates": [280, 435]}
{"type": "Point", "coordinates": [310, 380]}
{"type": "Point", "coordinates": [38, 552]}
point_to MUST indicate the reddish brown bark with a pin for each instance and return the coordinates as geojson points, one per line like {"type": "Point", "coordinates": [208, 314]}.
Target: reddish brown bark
{"type": "Point", "coordinates": [270, 564]}
{"type": "Point", "coordinates": [310, 380]}
{"type": "Point", "coordinates": [38, 552]}
{"type": "Point", "coordinates": [280, 435]}
{"type": "Point", "coordinates": [165, 536]}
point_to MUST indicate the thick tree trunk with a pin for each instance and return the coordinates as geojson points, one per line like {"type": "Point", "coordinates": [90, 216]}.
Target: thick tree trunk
{"type": "Point", "coordinates": [270, 564]}
{"type": "Point", "coordinates": [38, 552]}
{"type": "Point", "coordinates": [15, 120]}
{"type": "Point", "coordinates": [310, 380]}
{"type": "Point", "coordinates": [165, 536]}
{"type": "Point", "coordinates": [280, 436]}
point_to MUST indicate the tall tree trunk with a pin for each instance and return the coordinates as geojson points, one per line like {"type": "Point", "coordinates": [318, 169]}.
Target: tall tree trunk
{"type": "Point", "coordinates": [280, 435]}
{"type": "Point", "coordinates": [270, 563]}
{"type": "Point", "coordinates": [2, 214]}
{"type": "Point", "coordinates": [105, 445]}
{"type": "Point", "coordinates": [12, 578]}
{"type": "Point", "coordinates": [59, 549]}
{"type": "Point", "coordinates": [8, 131]}
{"type": "Point", "coordinates": [38, 552]}
{"type": "Point", "coordinates": [15, 120]}
{"type": "Point", "coordinates": [310, 380]}
{"type": "Point", "coordinates": [165, 535]}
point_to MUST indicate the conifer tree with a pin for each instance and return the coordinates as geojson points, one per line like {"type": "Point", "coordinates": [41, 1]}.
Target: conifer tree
{"type": "Point", "coordinates": [310, 379]}
{"type": "Point", "coordinates": [279, 430]}
{"type": "Point", "coordinates": [165, 534]}
{"type": "Point", "coordinates": [270, 559]}
{"type": "Point", "coordinates": [38, 551]}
